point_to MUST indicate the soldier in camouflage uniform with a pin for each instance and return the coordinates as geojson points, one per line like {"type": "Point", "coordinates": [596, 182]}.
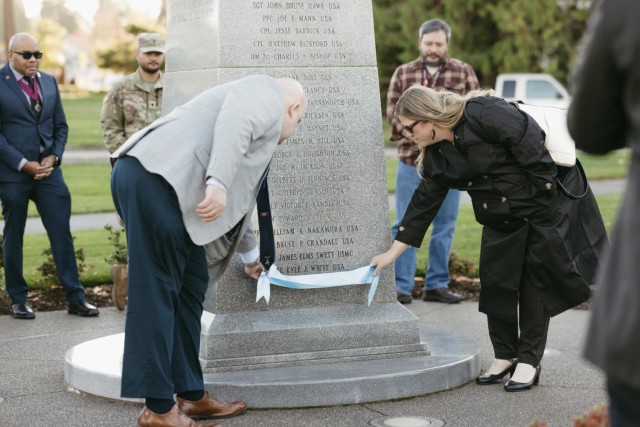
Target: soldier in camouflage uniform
{"type": "Point", "coordinates": [132, 104]}
{"type": "Point", "coordinates": [135, 101]}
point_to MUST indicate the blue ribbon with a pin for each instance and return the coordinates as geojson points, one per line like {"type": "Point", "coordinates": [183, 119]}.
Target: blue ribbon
{"type": "Point", "coordinates": [359, 276]}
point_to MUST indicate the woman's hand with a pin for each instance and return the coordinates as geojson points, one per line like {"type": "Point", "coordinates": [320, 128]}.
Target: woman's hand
{"type": "Point", "coordinates": [382, 261]}
{"type": "Point", "coordinates": [385, 259]}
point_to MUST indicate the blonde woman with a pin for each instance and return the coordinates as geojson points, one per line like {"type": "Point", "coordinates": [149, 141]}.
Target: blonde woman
{"type": "Point", "coordinates": [539, 248]}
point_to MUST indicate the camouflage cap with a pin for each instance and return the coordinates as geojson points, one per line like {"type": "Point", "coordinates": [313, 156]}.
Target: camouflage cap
{"type": "Point", "coordinates": [150, 42]}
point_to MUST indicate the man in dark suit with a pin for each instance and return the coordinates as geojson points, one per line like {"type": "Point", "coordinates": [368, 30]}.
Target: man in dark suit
{"type": "Point", "coordinates": [605, 116]}
{"type": "Point", "coordinates": [33, 133]}
{"type": "Point", "coordinates": [175, 199]}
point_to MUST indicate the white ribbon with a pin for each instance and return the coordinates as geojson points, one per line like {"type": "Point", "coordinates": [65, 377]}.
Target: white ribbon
{"type": "Point", "coordinates": [359, 276]}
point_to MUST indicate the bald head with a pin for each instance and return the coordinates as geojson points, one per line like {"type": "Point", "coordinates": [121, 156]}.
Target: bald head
{"type": "Point", "coordinates": [295, 106]}
{"type": "Point", "coordinates": [19, 39]}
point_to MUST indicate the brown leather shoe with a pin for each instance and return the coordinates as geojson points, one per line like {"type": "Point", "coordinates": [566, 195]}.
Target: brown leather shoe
{"type": "Point", "coordinates": [208, 407]}
{"type": "Point", "coordinates": [172, 418]}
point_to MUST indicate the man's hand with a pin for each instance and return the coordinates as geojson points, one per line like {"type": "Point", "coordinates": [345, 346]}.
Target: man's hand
{"type": "Point", "coordinates": [253, 270]}
{"type": "Point", "coordinates": [49, 161]}
{"type": "Point", "coordinates": [213, 204]}
{"type": "Point", "coordinates": [37, 170]}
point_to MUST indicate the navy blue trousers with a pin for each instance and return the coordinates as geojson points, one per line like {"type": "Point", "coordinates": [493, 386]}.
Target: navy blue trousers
{"type": "Point", "coordinates": [53, 201]}
{"type": "Point", "coordinates": [168, 279]}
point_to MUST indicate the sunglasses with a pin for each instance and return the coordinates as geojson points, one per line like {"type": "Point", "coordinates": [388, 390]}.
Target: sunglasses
{"type": "Point", "coordinates": [410, 127]}
{"type": "Point", "coordinates": [27, 55]}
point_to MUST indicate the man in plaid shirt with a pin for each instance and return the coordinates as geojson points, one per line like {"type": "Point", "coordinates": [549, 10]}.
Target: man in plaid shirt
{"type": "Point", "coordinates": [434, 68]}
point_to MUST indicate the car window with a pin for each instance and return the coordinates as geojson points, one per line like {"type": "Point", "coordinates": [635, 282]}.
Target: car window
{"type": "Point", "coordinates": [509, 89]}
{"type": "Point", "coordinates": [542, 89]}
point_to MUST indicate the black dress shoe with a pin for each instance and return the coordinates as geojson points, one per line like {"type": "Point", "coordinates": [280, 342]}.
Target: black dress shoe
{"type": "Point", "coordinates": [82, 308]}
{"type": "Point", "coordinates": [442, 295]}
{"type": "Point", "coordinates": [404, 299]}
{"type": "Point", "coordinates": [22, 311]}
{"type": "Point", "coordinates": [515, 386]}
{"type": "Point", "coordinates": [496, 378]}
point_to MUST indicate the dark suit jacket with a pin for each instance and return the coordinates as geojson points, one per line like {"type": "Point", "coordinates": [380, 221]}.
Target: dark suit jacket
{"type": "Point", "coordinates": [604, 116]}
{"type": "Point", "coordinates": [21, 134]}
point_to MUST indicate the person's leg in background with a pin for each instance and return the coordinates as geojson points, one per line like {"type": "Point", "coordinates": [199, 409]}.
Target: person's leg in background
{"type": "Point", "coordinates": [407, 181]}
{"type": "Point", "coordinates": [53, 201]}
{"type": "Point", "coordinates": [623, 404]}
{"type": "Point", "coordinates": [437, 278]}
{"type": "Point", "coordinates": [15, 204]}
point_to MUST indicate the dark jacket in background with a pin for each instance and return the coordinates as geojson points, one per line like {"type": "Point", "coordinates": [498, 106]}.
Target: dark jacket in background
{"type": "Point", "coordinates": [510, 177]}
{"type": "Point", "coordinates": [604, 116]}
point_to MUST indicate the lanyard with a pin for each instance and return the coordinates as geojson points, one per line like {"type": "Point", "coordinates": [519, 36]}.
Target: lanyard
{"type": "Point", "coordinates": [32, 93]}
{"type": "Point", "coordinates": [425, 76]}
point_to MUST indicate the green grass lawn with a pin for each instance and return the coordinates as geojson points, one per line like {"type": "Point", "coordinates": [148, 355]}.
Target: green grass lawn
{"type": "Point", "coordinates": [95, 244]}
{"type": "Point", "coordinates": [83, 118]}
{"type": "Point", "coordinates": [89, 187]}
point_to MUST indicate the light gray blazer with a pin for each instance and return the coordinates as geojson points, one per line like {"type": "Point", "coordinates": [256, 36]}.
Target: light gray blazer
{"type": "Point", "coordinates": [230, 133]}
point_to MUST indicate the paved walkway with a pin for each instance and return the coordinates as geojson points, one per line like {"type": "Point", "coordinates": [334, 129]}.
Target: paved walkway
{"type": "Point", "coordinates": [33, 393]}
{"type": "Point", "coordinates": [32, 390]}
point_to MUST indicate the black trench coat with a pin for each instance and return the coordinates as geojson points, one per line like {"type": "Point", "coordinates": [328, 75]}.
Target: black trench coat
{"type": "Point", "coordinates": [528, 223]}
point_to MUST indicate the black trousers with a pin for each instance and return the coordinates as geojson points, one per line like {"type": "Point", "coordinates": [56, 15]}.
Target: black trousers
{"type": "Point", "coordinates": [533, 324]}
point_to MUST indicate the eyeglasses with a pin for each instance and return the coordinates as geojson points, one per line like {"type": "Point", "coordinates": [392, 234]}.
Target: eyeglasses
{"type": "Point", "coordinates": [411, 126]}
{"type": "Point", "coordinates": [27, 55]}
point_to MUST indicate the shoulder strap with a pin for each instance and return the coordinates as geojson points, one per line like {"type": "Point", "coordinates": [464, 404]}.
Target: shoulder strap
{"type": "Point", "coordinates": [473, 124]}
{"type": "Point", "coordinates": [585, 183]}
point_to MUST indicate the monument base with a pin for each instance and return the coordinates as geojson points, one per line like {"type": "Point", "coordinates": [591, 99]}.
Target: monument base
{"type": "Point", "coordinates": [94, 367]}
{"type": "Point", "coordinates": [316, 335]}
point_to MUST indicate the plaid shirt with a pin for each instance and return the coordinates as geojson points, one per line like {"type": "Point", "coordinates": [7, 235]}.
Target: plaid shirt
{"type": "Point", "coordinates": [455, 76]}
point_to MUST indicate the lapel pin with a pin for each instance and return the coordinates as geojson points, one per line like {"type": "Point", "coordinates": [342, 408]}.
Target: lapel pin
{"type": "Point", "coordinates": [7, 77]}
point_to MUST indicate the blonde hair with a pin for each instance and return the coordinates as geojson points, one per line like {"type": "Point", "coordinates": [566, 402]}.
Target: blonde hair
{"type": "Point", "coordinates": [442, 108]}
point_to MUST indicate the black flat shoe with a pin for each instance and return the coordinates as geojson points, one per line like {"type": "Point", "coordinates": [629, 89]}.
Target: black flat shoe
{"type": "Point", "coordinates": [496, 378]}
{"type": "Point", "coordinates": [22, 311]}
{"type": "Point", "coordinates": [515, 386]}
{"type": "Point", "coordinates": [82, 308]}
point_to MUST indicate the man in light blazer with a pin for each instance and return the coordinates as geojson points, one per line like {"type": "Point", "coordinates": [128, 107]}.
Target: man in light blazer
{"type": "Point", "coordinates": [191, 179]}
{"type": "Point", "coordinates": [33, 133]}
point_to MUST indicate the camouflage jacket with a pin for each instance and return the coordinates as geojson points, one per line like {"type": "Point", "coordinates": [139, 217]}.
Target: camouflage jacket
{"type": "Point", "coordinates": [127, 108]}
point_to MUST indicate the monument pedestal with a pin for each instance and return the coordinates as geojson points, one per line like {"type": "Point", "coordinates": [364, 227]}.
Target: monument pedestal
{"type": "Point", "coordinates": [308, 336]}
{"type": "Point", "coordinates": [94, 367]}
